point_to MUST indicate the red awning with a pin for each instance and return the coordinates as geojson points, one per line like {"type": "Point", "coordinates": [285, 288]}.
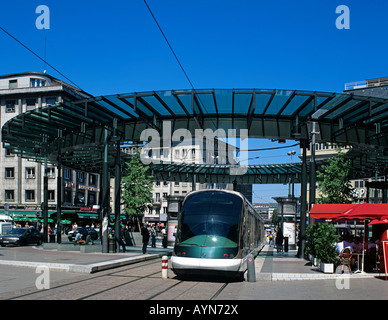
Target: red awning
{"type": "Point", "coordinates": [365, 211]}
{"type": "Point", "coordinates": [329, 210]}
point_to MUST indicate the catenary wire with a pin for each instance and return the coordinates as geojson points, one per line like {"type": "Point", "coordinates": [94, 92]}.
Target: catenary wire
{"type": "Point", "coordinates": [39, 57]}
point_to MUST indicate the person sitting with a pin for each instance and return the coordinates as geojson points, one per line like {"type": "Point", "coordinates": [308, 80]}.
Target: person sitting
{"type": "Point", "coordinates": [341, 244]}
{"type": "Point", "coordinates": [345, 259]}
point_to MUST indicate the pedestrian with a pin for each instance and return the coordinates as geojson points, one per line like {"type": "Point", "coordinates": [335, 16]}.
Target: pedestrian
{"type": "Point", "coordinates": [153, 237]}
{"type": "Point", "coordinates": [121, 239]}
{"type": "Point", "coordinates": [270, 239]}
{"type": "Point", "coordinates": [279, 240]}
{"type": "Point", "coordinates": [146, 237]}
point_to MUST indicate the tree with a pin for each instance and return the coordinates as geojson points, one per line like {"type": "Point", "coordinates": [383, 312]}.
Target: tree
{"type": "Point", "coordinates": [137, 188]}
{"type": "Point", "coordinates": [334, 180]}
{"type": "Point", "coordinates": [274, 219]}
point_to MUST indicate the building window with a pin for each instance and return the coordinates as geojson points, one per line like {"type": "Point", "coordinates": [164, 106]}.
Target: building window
{"type": "Point", "coordinates": [9, 173]}
{"type": "Point", "coordinates": [8, 152]}
{"type": "Point", "coordinates": [30, 195]}
{"type": "Point", "coordinates": [51, 195]}
{"type": "Point", "coordinates": [9, 195]}
{"type": "Point", "coordinates": [92, 180]}
{"type": "Point", "coordinates": [51, 172]}
{"type": "Point", "coordinates": [38, 83]}
{"type": "Point", "coordinates": [30, 173]}
{"type": "Point", "coordinates": [67, 174]}
{"type": "Point", "coordinates": [51, 101]}
{"type": "Point", "coordinates": [30, 104]}
{"type": "Point", "coordinates": [91, 199]}
{"type": "Point", "coordinates": [13, 84]}
{"type": "Point", "coordinates": [67, 196]}
{"type": "Point", "coordinates": [81, 177]}
{"type": "Point", "coordinates": [10, 106]}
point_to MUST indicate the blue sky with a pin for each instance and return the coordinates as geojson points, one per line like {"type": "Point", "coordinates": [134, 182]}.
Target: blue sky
{"type": "Point", "coordinates": [115, 47]}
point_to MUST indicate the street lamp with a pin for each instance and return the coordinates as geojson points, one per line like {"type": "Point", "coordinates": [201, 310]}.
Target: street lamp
{"type": "Point", "coordinates": [291, 153]}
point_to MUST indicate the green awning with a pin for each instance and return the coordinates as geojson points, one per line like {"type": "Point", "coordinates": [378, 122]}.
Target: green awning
{"type": "Point", "coordinates": [25, 213]}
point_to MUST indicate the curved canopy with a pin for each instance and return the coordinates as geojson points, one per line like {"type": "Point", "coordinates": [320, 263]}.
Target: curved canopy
{"type": "Point", "coordinates": [75, 130]}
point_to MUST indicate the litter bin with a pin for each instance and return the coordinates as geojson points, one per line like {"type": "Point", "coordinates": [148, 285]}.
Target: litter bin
{"type": "Point", "coordinates": [285, 244]}
{"type": "Point", "coordinates": [112, 245]}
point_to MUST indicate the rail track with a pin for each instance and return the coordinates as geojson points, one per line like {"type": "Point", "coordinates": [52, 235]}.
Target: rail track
{"type": "Point", "coordinates": [141, 281]}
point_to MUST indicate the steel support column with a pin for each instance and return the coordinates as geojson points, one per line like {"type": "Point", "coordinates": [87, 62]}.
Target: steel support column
{"type": "Point", "coordinates": [303, 196]}
{"type": "Point", "coordinates": [44, 205]}
{"type": "Point", "coordinates": [117, 195]}
{"type": "Point", "coordinates": [105, 196]}
{"type": "Point", "coordinates": [312, 166]}
{"type": "Point", "coordinates": [59, 195]}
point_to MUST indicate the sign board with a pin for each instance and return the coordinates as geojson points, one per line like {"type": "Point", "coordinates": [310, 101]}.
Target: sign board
{"type": "Point", "coordinates": [163, 217]}
{"type": "Point", "coordinates": [289, 231]}
{"type": "Point", "coordinates": [172, 227]}
{"type": "Point", "coordinates": [6, 209]}
{"type": "Point", "coordinates": [173, 207]}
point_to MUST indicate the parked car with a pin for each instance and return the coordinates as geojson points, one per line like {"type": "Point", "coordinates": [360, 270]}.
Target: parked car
{"type": "Point", "coordinates": [21, 236]}
{"type": "Point", "coordinates": [84, 231]}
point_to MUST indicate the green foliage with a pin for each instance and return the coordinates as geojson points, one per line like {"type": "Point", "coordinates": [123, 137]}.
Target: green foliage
{"type": "Point", "coordinates": [324, 239]}
{"type": "Point", "coordinates": [309, 244]}
{"type": "Point", "coordinates": [137, 187]}
{"type": "Point", "coordinates": [334, 180]}
{"type": "Point", "coordinates": [275, 215]}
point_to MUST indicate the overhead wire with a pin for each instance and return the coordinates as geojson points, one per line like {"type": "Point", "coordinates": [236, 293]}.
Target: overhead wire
{"type": "Point", "coordinates": [173, 52]}
{"type": "Point", "coordinates": [39, 57]}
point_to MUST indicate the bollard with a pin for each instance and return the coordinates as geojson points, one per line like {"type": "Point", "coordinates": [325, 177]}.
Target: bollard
{"type": "Point", "coordinates": [251, 269]}
{"type": "Point", "coordinates": [164, 267]}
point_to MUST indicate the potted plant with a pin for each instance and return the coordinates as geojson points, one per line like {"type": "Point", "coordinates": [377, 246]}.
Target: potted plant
{"type": "Point", "coordinates": [325, 238]}
{"type": "Point", "coordinates": [309, 246]}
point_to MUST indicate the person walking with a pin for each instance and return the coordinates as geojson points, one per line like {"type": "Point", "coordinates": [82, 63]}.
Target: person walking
{"type": "Point", "coordinates": [279, 240]}
{"type": "Point", "coordinates": [153, 237]}
{"type": "Point", "coordinates": [121, 239]}
{"type": "Point", "coordinates": [146, 237]}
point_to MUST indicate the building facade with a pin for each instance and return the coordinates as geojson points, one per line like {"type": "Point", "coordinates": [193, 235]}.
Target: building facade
{"type": "Point", "coordinates": [21, 179]}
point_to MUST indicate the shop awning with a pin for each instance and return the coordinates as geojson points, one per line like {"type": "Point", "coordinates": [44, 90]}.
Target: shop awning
{"type": "Point", "coordinates": [25, 213]}
{"type": "Point", "coordinates": [329, 210]}
{"type": "Point", "coordinates": [365, 211]}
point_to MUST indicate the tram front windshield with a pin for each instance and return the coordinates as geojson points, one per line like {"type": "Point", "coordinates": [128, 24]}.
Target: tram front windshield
{"type": "Point", "coordinates": [210, 219]}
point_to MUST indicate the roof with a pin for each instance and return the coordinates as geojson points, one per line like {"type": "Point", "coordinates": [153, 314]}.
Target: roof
{"type": "Point", "coordinates": [358, 121]}
{"type": "Point", "coordinates": [41, 74]}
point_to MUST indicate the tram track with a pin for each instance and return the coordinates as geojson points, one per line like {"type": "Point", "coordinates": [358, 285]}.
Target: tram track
{"type": "Point", "coordinates": [140, 281]}
{"type": "Point", "coordinates": [112, 272]}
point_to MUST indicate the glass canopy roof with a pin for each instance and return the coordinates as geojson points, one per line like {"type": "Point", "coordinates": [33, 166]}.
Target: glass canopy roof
{"type": "Point", "coordinates": [77, 127]}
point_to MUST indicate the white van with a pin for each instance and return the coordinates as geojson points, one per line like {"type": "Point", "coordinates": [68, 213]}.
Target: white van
{"type": "Point", "coordinates": [5, 218]}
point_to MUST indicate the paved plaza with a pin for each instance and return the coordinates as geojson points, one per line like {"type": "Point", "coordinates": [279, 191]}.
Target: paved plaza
{"type": "Point", "coordinates": [278, 276]}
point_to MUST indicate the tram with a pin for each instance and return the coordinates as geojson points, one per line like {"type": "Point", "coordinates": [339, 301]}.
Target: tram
{"type": "Point", "coordinates": [217, 230]}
